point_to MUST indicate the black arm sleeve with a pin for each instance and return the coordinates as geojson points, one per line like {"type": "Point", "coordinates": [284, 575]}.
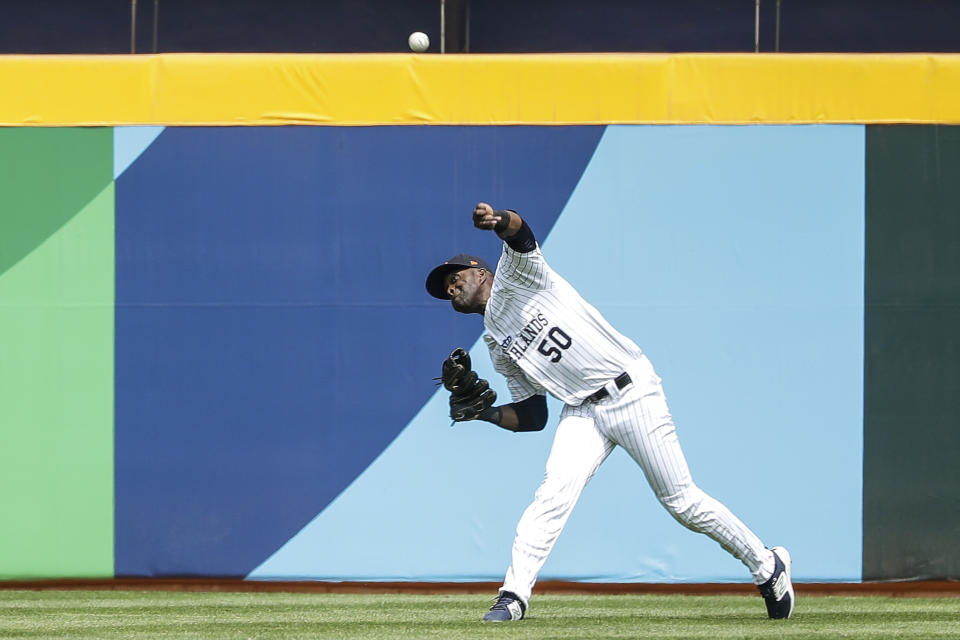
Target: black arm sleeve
{"type": "Point", "coordinates": [522, 241]}
{"type": "Point", "coordinates": [531, 413]}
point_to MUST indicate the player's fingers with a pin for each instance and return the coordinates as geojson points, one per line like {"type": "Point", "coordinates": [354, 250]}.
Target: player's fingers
{"type": "Point", "coordinates": [484, 222]}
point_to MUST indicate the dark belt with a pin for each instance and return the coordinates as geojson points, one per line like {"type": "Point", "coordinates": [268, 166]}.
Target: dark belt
{"type": "Point", "coordinates": [623, 380]}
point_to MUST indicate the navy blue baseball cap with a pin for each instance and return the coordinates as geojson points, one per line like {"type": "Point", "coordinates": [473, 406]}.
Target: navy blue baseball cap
{"type": "Point", "coordinates": [435, 286]}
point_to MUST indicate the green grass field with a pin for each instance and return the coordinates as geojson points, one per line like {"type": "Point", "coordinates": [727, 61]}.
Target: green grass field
{"type": "Point", "coordinates": [153, 614]}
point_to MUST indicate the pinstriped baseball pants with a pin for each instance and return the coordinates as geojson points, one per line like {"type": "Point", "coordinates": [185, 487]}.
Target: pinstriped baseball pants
{"type": "Point", "coordinates": [638, 420]}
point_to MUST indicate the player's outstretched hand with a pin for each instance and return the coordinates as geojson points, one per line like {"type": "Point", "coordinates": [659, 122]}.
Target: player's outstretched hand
{"type": "Point", "coordinates": [483, 217]}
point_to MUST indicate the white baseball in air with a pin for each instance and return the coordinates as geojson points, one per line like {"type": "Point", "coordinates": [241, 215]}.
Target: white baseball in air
{"type": "Point", "coordinates": [418, 41]}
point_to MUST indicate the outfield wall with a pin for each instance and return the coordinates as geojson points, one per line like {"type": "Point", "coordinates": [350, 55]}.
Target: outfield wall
{"type": "Point", "coordinates": [216, 351]}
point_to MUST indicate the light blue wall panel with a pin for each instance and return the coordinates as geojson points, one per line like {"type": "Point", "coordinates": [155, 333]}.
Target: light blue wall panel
{"type": "Point", "coordinates": [734, 257]}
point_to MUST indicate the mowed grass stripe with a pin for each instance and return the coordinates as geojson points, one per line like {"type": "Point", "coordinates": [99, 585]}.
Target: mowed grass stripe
{"type": "Point", "coordinates": [163, 615]}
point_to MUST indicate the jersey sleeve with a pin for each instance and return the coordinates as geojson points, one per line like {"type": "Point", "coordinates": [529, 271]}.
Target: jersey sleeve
{"type": "Point", "coordinates": [524, 270]}
{"type": "Point", "coordinates": [520, 386]}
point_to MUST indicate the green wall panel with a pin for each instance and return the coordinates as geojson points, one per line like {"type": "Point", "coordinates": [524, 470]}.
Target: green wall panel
{"type": "Point", "coordinates": [56, 353]}
{"type": "Point", "coordinates": [911, 499]}
{"type": "Point", "coordinates": [46, 177]}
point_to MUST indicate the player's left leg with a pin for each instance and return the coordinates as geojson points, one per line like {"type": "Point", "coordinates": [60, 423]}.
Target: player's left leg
{"type": "Point", "coordinates": [640, 421]}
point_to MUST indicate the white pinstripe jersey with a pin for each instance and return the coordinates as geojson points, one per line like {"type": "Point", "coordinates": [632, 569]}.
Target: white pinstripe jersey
{"type": "Point", "coordinates": [543, 336]}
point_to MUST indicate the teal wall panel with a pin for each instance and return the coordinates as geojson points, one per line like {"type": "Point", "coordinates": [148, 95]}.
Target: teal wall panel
{"type": "Point", "coordinates": [911, 497]}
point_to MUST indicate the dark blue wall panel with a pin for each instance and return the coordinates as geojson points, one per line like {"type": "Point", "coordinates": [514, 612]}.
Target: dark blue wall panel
{"type": "Point", "coordinates": [273, 332]}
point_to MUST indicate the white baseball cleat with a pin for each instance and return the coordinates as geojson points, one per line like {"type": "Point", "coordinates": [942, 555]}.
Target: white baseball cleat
{"type": "Point", "coordinates": [507, 608]}
{"type": "Point", "coordinates": [777, 592]}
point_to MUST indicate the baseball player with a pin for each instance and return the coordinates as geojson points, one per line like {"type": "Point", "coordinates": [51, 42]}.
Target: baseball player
{"type": "Point", "coordinates": [544, 338]}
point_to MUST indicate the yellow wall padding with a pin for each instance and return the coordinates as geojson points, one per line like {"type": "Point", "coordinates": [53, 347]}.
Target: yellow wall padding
{"type": "Point", "coordinates": [374, 89]}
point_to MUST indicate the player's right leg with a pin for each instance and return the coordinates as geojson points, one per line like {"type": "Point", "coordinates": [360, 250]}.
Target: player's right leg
{"type": "Point", "coordinates": [578, 451]}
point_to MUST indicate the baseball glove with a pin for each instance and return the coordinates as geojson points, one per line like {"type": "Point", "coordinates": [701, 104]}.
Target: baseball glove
{"type": "Point", "coordinates": [470, 395]}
